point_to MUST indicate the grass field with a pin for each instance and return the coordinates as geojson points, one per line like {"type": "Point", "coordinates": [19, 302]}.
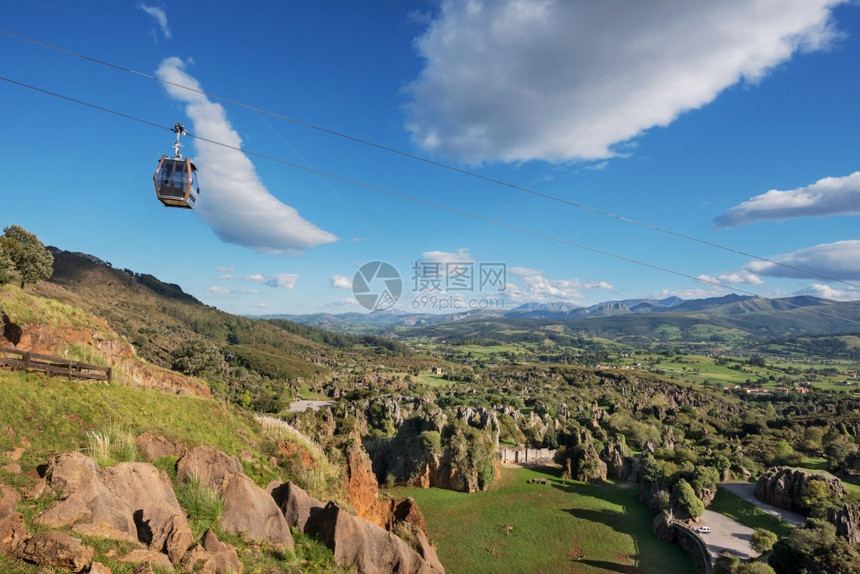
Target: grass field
{"type": "Point", "coordinates": [566, 526]}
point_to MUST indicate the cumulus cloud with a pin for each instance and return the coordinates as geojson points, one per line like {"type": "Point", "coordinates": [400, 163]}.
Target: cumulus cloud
{"type": "Point", "coordinates": [278, 280]}
{"type": "Point", "coordinates": [282, 280]}
{"type": "Point", "coordinates": [827, 196]}
{"type": "Point", "coordinates": [341, 282]}
{"type": "Point", "coordinates": [516, 80]}
{"type": "Point", "coordinates": [460, 256]}
{"type": "Point", "coordinates": [839, 260]}
{"type": "Point", "coordinates": [160, 17]}
{"type": "Point", "coordinates": [218, 290]}
{"type": "Point", "coordinates": [224, 269]}
{"type": "Point", "coordinates": [828, 292]}
{"type": "Point", "coordinates": [533, 286]}
{"type": "Point", "coordinates": [233, 200]}
{"type": "Point", "coordinates": [733, 278]}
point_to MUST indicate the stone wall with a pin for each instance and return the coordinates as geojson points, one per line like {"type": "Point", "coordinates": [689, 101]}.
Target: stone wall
{"type": "Point", "coordinates": [526, 455]}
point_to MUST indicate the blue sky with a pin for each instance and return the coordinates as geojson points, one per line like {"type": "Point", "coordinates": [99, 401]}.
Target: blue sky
{"type": "Point", "coordinates": [735, 123]}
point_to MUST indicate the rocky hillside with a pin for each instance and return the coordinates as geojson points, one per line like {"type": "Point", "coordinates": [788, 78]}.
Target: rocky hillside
{"type": "Point", "coordinates": [151, 473]}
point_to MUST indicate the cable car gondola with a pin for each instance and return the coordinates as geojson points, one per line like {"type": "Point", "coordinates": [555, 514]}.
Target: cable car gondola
{"type": "Point", "coordinates": [176, 178]}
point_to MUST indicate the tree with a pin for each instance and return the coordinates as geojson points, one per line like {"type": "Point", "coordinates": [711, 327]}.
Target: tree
{"type": "Point", "coordinates": [8, 271]}
{"type": "Point", "coordinates": [763, 540]}
{"type": "Point", "coordinates": [32, 261]}
{"type": "Point", "coordinates": [193, 357]}
{"type": "Point", "coordinates": [687, 499]}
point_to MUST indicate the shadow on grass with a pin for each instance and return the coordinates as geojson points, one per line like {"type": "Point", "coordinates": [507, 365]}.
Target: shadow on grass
{"type": "Point", "coordinates": [612, 566]}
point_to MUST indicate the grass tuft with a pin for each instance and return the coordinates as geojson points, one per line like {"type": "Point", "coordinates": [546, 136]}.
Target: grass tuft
{"type": "Point", "coordinates": [203, 505]}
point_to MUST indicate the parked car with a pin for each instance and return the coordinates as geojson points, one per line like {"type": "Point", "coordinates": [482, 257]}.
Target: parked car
{"type": "Point", "coordinates": [703, 529]}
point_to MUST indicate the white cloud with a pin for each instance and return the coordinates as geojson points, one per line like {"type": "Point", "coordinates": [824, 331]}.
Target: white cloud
{"type": "Point", "coordinates": [827, 196]}
{"type": "Point", "coordinates": [233, 201]}
{"type": "Point", "coordinates": [341, 282]}
{"type": "Point", "coordinates": [226, 276]}
{"type": "Point", "coordinates": [341, 304]}
{"type": "Point", "coordinates": [254, 277]}
{"type": "Point", "coordinates": [688, 293]}
{"type": "Point", "coordinates": [828, 292]}
{"type": "Point", "coordinates": [599, 285]}
{"type": "Point", "coordinates": [160, 17]}
{"type": "Point", "coordinates": [282, 280]}
{"type": "Point", "coordinates": [733, 278]}
{"type": "Point", "coordinates": [524, 271]}
{"type": "Point", "coordinates": [224, 269]}
{"type": "Point", "coordinates": [839, 260]}
{"type": "Point", "coordinates": [224, 291]}
{"type": "Point", "coordinates": [516, 80]}
{"type": "Point", "coordinates": [460, 256]}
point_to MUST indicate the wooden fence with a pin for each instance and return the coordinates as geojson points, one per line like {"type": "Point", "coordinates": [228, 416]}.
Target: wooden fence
{"type": "Point", "coordinates": [27, 361]}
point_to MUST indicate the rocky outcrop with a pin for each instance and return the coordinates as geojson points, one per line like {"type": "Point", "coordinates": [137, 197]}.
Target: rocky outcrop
{"type": "Point", "coordinates": [785, 487]}
{"type": "Point", "coordinates": [359, 542]}
{"type": "Point", "coordinates": [13, 530]}
{"type": "Point", "coordinates": [131, 501]}
{"type": "Point", "coordinates": [847, 521]}
{"type": "Point", "coordinates": [151, 446]}
{"type": "Point", "coordinates": [212, 556]}
{"type": "Point", "coordinates": [251, 512]}
{"type": "Point", "coordinates": [248, 509]}
{"type": "Point", "coordinates": [58, 549]}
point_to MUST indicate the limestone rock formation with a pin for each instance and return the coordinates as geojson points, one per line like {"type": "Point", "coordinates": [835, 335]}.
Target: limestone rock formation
{"type": "Point", "coordinates": [248, 509]}
{"type": "Point", "coordinates": [370, 548]}
{"type": "Point", "coordinates": [13, 531]}
{"type": "Point", "coordinates": [132, 501]}
{"type": "Point", "coordinates": [57, 549]}
{"type": "Point", "coordinates": [784, 487]}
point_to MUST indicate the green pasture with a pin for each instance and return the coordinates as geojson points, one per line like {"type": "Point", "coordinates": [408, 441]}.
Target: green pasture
{"type": "Point", "coordinates": [565, 526]}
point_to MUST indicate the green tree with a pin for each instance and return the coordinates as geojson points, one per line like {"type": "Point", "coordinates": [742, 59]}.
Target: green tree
{"type": "Point", "coordinates": [193, 357]}
{"type": "Point", "coordinates": [687, 499]}
{"type": "Point", "coordinates": [8, 271]}
{"type": "Point", "coordinates": [763, 540]}
{"type": "Point", "coordinates": [32, 261]}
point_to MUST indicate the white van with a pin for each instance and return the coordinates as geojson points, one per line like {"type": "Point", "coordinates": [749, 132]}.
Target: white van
{"type": "Point", "coordinates": [703, 529]}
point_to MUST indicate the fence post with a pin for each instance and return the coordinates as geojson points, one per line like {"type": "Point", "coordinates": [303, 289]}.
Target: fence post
{"type": "Point", "coordinates": [27, 361]}
{"type": "Point", "coordinates": [109, 374]}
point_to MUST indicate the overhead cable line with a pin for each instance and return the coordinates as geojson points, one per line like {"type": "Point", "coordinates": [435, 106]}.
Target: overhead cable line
{"type": "Point", "coordinates": [438, 206]}
{"type": "Point", "coordinates": [436, 163]}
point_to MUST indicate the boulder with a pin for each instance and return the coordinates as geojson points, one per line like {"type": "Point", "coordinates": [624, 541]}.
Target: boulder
{"type": "Point", "coordinates": [210, 466]}
{"type": "Point", "coordinates": [98, 568]}
{"type": "Point", "coordinates": [296, 504]}
{"type": "Point", "coordinates": [133, 501]}
{"type": "Point", "coordinates": [147, 559]}
{"type": "Point", "coordinates": [224, 555]}
{"type": "Point", "coordinates": [250, 511]}
{"type": "Point", "coordinates": [151, 446]}
{"type": "Point", "coordinates": [57, 549]}
{"type": "Point", "coordinates": [212, 556]}
{"type": "Point", "coordinates": [359, 542]}
{"type": "Point", "coordinates": [13, 530]}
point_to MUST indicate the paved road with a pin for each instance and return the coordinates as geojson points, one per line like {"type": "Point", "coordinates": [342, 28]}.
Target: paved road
{"type": "Point", "coordinates": [726, 534]}
{"type": "Point", "coordinates": [302, 405]}
{"type": "Point", "coordinates": [746, 491]}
